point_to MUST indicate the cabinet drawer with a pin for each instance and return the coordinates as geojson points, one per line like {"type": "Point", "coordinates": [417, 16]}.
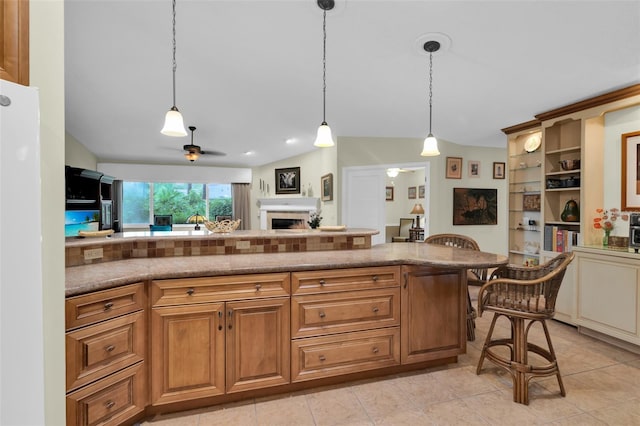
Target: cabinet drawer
{"type": "Point", "coordinates": [317, 357]}
{"type": "Point", "coordinates": [101, 305]}
{"type": "Point", "coordinates": [215, 289]}
{"type": "Point", "coordinates": [94, 351]}
{"type": "Point", "coordinates": [317, 314]}
{"type": "Point", "coordinates": [345, 279]}
{"type": "Point", "coordinates": [110, 401]}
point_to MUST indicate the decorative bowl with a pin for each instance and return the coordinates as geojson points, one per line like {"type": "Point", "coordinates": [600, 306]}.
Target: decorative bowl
{"type": "Point", "coordinates": [223, 226]}
{"type": "Point", "coordinates": [569, 164]}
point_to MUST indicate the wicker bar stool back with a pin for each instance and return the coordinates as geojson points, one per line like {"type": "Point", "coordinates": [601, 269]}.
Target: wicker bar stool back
{"type": "Point", "coordinates": [524, 295]}
{"type": "Point", "coordinates": [474, 276]}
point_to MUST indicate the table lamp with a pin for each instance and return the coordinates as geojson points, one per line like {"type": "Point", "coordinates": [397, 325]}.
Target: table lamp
{"type": "Point", "coordinates": [417, 210]}
{"type": "Point", "coordinates": [197, 219]}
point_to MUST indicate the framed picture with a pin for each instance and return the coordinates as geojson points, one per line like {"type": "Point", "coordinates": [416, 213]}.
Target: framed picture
{"type": "Point", "coordinates": [474, 206]}
{"type": "Point", "coordinates": [454, 168]}
{"type": "Point", "coordinates": [474, 169]}
{"type": "Point", "coordinates": [288, 180]}
{"type": "Point", "coordinates": [421, 191]}
{"type": "Point", "coordinates": [326, 183]}
{"type": "Point", "coordinates": [498, 170]}
{"type": "Point", "coordinates": [412, 192]}
{"type": "Point", "coordinates": [531, 202]}
{"type": "Point", "coordinates": [630, 178]}
{"type": "Point", "coordinates": [389, 193]}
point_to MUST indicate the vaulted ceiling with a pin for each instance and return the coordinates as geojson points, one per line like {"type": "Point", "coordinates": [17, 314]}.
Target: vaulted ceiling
{"type": "Point", "coordinates": [249, 73]}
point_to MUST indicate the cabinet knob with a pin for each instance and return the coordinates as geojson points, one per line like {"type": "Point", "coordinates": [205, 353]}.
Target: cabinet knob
{"type": "Point", "coordinates": [109, 348]}
{"type": "Point", "coordinates": [190, 291]}
{"type": "Point", "coordinates": [375, 350]}
{"type": "Point", "coordinates": [375, 309]}
{"type": "Point", "coordinates": [322, 358]}
{"type": "Point", "coordinates": [322, 282]}
{"type": "Point", "coordinates": [109, 404]}
{"type": "Point", "coordinates": [258, 286]}
{"type": "Point", "coordinates": [108, 306]}
{"type": "Point", "coordinates": [374, 278]}
{"type": "Point", "coordinates": [322, 314]}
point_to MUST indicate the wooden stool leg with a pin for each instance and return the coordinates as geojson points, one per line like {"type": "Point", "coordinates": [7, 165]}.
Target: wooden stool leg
{"type": "Point", "coordinates": [520, 365]}
{"type": "Point", "coordinates": [471, 322]}
{"type": "Point", "coordinates": [486, 343]}
{"type": "Point", "coordinates": [553, 356]}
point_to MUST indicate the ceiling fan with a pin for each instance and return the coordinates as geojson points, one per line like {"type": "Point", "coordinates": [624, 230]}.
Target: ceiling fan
{"type": "Point", "coordinates": [194, 151]}
{"type": "Point", "coordinates": [393, 171]}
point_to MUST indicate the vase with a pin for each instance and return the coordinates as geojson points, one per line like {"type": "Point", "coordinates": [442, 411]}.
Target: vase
{"type": "Point", "coordinates": [605, 238]}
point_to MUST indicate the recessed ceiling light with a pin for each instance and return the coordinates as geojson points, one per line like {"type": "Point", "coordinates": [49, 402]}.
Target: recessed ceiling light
{"type": "Point", "coordinates": [291, 141]}
{"type": "Point", "coordinates": [249, 152]}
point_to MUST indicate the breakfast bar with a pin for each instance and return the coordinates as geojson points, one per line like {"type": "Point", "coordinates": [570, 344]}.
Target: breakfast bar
{"type": "Point", "coordinates": [154, 328]}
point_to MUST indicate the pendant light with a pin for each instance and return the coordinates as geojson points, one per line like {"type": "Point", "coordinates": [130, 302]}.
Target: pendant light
{"type": "Point", "coordinates": [430, 147]}
{"type": "Point", "coordinates": [173, 123]}
{"type": "Point", "coordinates": [324, 138]}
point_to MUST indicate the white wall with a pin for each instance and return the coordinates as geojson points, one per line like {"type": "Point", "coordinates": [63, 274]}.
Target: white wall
{"type": "Point", "coordinates": [46, 57]}
{"type": "Point", "coordinates": [77, 155]}
{"type": "Point", "coordinates": [402, 204]}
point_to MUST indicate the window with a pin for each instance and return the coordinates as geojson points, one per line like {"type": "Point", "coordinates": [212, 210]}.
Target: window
{"type": "Point", "coordinates": [141, 200]}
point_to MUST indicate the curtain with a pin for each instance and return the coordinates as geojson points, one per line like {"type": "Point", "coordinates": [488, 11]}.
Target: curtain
{"type": "Point", "coordinates": [241, 204]}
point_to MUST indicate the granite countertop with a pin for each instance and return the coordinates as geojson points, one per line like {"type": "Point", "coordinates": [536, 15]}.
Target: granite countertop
{"type": "Point", "coordinates": [88, 278]}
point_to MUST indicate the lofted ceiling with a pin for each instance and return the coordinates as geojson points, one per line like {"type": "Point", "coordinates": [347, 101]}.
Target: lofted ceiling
{"type": "Point", "coordinates": [249, 73]}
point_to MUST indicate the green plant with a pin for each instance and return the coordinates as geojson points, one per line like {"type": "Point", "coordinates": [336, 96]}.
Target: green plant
{"type": "Point", "coordinates": [314, 220]}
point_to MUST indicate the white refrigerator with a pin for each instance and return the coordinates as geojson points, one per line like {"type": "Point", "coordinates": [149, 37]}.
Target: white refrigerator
{"type": "Point", "coordinates": [21, 318]}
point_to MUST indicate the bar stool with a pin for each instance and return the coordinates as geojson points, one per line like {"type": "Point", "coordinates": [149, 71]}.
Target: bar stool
{"type": "Point", "coordinates": [523, 295]}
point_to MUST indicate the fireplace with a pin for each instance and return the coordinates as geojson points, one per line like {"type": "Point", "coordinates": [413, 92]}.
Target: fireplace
{"type": "Point", "coordinates": [286, 213]}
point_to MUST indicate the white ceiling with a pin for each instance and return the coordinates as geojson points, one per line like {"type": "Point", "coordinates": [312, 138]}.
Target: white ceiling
{"type": "Point", "coordinates": [249, 73]}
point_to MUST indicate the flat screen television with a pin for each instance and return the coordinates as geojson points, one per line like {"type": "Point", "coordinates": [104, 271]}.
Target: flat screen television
{"type": "Point", "coordinates": [80, 220]}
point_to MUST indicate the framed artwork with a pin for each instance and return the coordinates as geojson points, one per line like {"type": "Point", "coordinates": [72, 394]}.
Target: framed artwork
{"type": "Point", "coordinates": [475, 206]}
{"type": "Point", "coordinates": [630, 178]}
{"type": "Point", "coordinates": [412, 192]}
{"type": "Point", "coordinates": [326, 183]}
{"type": "Point", "coordinates": [531, 202]}
{"type": "Point", "coordinates": [288, 180]}
{"type": "Point", "coordinates": [421, 191]}
{"type": "Point", "coordinates": [474, 169]}
{"type": "Point", "coordinates": [389, 193]}
{"type": "Point", "coordinates": [454, 168]}
{"type": "Point", "coordinates": [498, 170]}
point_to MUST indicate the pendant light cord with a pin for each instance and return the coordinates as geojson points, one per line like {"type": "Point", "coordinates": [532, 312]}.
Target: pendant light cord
{"type": "Point", "coordinates": [430, 88]}
{"type": "Point", "coordinates": [174, 53]}
{"type": "Point", "coordinates": [324, 66]}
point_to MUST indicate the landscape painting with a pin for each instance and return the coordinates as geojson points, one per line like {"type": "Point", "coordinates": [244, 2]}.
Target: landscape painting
{"type": "Point", "coordinates": [472, 206]}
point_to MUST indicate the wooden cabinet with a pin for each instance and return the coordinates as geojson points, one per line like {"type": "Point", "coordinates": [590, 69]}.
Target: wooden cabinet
{"type": "Point", "coordinates": [219, 335]}
{"type": "Point", "coordinates": [525, 165]}
{"type": "Point", "coordinates": [105, 356]}
{"type": "Point", "coordinates": [344, 321]}
{"type": "Point", "coordinates": [433, 323]}
{"type": "Point", "coordinates": [14, 55]}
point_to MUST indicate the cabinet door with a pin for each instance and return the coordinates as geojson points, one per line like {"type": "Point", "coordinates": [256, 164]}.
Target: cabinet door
{"type": "Point", "coordinates": [258, 344]}
{"type": "Point", "coordinates": [187, 352]}
{"type": "Point", "coordinates": [433, 323]}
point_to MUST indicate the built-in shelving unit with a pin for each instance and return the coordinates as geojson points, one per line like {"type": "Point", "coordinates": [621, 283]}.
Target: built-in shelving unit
{"type": "Point", "coordinates": [524, 172]}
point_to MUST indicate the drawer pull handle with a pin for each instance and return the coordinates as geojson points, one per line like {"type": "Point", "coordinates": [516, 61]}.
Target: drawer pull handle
{"type": "Point", "coordinates": [375, 350]}
{"type": "Point", "coordinates": [109, 348]}
{"type": "Point", "coordinates": [258, 286]}
{"type": "Point", "coordinates": [322, 314]}
{"type": "Point", "coordinates": [375, 309]}
{"type": "Point", "coordinates": [109, 404]}
{"type": "Point", "coordinates": [108, 306]}
{"type": "Point", "coordinates": [374, 278]}
{"type": "Point", "coordinates": [190, 291]}
{"type": "Point", "coordinates": [322, 282]}
{"type": "Point", "coordinates": [230, 313]}
{"type": "Point", "coordinates": [219, 320]}
{"type": "Point", "coordinates": [322, 358]}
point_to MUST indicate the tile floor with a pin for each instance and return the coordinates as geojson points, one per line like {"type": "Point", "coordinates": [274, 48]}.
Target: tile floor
{"type": "Point", "coordinates": [602, 383]}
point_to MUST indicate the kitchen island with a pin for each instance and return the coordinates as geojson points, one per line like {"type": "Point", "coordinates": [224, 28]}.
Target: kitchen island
{"type": "Point", "coordinates": [159, 334]}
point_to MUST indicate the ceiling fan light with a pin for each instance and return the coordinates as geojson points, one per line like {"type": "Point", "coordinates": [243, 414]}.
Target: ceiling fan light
{"type": "Point", "coordinates": [393, 172]}
{"type": "Point", "coordinates": [191, 156]}
{"type": "Point", "coordinates": [430, 147]}
{"type": "Point", "coordinates": [173, 123]}
{"type": "Point", "coordinates": [324, 138]}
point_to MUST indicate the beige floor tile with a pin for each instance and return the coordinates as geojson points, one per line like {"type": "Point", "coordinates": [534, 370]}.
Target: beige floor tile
{"type": "Point", "coordinates": [584, 419]}
{"type": "Point", "coordinates": [175, 419]}
{"type": "Point", "coordinates": [404, 418]}
{"type": "Point", "coordinates": [627, 413]}
{"type": "Point", "coordinates": [291, 410]}
{"type": "Point", "coordinates": [381, 400]}
{"type": "Point", "coordinates": [236, 413]}
{"type": "Point", "coordinates": [337, 406]}
{"type": "Point", "coordinates": [498, 408]}
{"type": "Point", "coordinates": [464, 382]}
{"type": "Point", "coordinates": [425, 389]}
{"type": "Point", "coordinates": [456, 412]}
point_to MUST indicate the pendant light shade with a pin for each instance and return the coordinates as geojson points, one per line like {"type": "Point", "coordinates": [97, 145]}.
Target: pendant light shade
{"type": "Point", "coordinates": [173, 122]}
{"type": "Point", "coordinates": [324, 139]}
{"type": "Point", "coordinates": [430, 147]}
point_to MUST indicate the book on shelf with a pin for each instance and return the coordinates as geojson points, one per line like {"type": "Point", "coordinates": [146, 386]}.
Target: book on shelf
{"type": "Point", "coordinates": [559, 239]}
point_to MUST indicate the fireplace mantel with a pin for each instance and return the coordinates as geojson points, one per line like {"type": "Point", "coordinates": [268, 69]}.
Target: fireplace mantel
{"type": "Point", "coordinates": [270, 207]}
